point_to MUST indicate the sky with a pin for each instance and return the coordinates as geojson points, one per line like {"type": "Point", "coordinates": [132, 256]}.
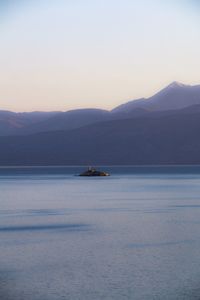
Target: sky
{"type": "Point", "coordinates": [68, 54]}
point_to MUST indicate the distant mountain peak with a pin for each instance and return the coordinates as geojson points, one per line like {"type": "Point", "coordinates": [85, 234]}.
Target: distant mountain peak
{"type": "Point", "coordinates": [172, 87]}
{"type": "Point", "coordinates": [176, 84]}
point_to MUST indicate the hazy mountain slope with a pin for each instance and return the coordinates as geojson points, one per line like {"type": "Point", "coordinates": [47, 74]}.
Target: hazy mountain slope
{"type": "Point", "coordinates": [170, 139]}
{"type": "Point", "coordinates": [13, 123]}
{"type": "Point", "coordinates": [60, 121]}
{"type": "Point", "coordinates": [69, 120]}
{"type": "Point", "coordinates": [129, 106]}
{"type": "Point", "coordinates": [174, 96]}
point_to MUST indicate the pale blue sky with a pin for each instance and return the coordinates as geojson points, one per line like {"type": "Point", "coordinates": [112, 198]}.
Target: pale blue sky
{"type": "Point", "coordinates": [64, 54]}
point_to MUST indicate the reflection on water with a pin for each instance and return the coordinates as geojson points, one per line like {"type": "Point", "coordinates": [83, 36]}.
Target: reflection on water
{"type": "Point", "coordinates": [134, 235]}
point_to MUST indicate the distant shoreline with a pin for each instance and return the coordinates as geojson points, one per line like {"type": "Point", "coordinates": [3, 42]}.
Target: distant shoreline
{"type": "Point", "coordinates": [97, 165]}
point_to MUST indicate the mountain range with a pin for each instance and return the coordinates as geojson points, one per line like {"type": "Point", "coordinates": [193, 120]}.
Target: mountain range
{"type": "Point", "coordinates": [163, 129]}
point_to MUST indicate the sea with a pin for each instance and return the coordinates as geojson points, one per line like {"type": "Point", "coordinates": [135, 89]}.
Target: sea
{"type": "Point", "coordinates": [133, 235]}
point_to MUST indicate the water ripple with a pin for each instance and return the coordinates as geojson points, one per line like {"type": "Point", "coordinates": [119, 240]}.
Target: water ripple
{"type": "Point", "coordinates": [68, 227]}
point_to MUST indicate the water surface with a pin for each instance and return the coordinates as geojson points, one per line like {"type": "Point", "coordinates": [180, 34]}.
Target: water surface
{"type": "Point", "coordinates": [134, 235]}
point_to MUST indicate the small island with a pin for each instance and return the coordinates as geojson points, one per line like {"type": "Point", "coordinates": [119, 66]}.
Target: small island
{"type": "Point", "coordinates": [93, 172]}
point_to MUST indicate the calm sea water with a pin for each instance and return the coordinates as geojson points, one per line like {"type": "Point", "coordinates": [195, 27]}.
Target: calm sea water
{"type": "Point", "coordinates": [134, 235]}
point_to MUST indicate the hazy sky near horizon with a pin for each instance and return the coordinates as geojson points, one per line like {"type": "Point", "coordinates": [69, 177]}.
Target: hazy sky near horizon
{"type": "Point", "coordinates": [64, 54]}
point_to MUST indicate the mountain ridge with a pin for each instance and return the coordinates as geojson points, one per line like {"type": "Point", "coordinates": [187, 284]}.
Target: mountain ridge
{"type": "Point", "coordinates": [175, 96]}
{"type": "Point", "coordinates": [148, 140]}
